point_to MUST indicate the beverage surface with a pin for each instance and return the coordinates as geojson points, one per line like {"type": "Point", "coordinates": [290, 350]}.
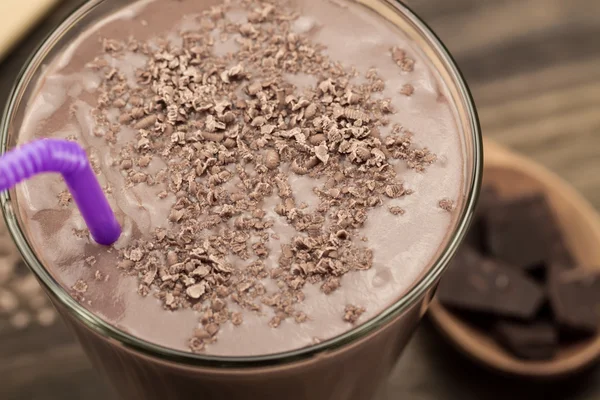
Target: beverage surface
{"type": "Point", "coordinates": [283, 171]}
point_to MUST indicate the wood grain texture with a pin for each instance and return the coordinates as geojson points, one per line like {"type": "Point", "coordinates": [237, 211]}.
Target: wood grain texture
{"type": "Point", "coordinates": [534, 69]}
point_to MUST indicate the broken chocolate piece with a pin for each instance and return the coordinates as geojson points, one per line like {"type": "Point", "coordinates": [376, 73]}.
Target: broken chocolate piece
{"type": "Point", "coordinates": [575, 300]}
{"type": "Point", "coordinates": [532, 341]}
{"type": "Point", "coordinates": [487, 198]}
{"type": "Point", "coordinates": [477, 284]}
{"type": "Point", "coordinates": [476, 235]}
{"type": "Point", "coordinates": [521, 231]}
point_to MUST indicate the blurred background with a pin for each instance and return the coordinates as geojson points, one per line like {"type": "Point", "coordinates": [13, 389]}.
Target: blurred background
{"type": "Point", "coordinates": [534, 69]}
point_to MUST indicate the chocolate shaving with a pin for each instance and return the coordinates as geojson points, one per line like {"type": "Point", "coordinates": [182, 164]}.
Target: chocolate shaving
{"type": "Point", "coordinates": [232, 132]}
{"type": "Point", "coordinates": [352, 313]}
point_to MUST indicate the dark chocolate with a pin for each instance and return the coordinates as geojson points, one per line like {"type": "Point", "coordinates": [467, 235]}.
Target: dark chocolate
{"type": "Point", "coordinates": [522, 231]}
{"type": "Point", "coordinates": [476, 284]}
{"type": "Point", "coordinates": [476, 235]}
{"type": "Point", "coordinates": [531, 341]}
{"type": "Point", "coordinates": [575, 300]}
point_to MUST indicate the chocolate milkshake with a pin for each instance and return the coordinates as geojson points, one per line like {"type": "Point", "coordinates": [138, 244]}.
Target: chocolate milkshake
{"type": "Point", "coordinates": [285, 173]}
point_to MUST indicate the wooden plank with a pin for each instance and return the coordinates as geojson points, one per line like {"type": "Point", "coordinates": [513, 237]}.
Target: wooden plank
{"type": "Point", "coordinates": [476, 25]}
{"type": "Point", "coordinates": [527, 83]}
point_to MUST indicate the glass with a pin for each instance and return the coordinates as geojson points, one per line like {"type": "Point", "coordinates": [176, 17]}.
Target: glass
{"type": "Point", "coordinates": [347, 367]}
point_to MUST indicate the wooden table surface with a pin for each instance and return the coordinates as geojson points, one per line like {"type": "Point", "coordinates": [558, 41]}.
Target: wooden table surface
{"type": "Point", "coordinates": [534, 69]}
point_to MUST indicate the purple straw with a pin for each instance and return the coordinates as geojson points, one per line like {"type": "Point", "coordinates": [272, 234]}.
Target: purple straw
{"type": "Point", "coordinates": [69, 159]}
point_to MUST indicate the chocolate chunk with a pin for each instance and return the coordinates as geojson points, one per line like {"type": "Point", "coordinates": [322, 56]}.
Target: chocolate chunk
{"type": "Point", "coordinates": [476, 236]}
{"type": "Point", "coordinates": [522, 231]}
{"type": "Point", "coordinates": [533, 341]}
{"type": "Point", "coordinates": [477, 284]}
{"type": "Point", "coordinates": [487, 198]}
{"type": "Point", "coordinates": [575, 300]}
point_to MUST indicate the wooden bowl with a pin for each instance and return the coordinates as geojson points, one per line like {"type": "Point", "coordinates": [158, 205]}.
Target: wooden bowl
{"type": "Point", "coordinates": [513, 174]}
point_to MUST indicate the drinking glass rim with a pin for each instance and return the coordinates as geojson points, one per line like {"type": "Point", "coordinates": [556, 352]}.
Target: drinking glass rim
{"type": "Point", "coordinates": [107, 330]}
